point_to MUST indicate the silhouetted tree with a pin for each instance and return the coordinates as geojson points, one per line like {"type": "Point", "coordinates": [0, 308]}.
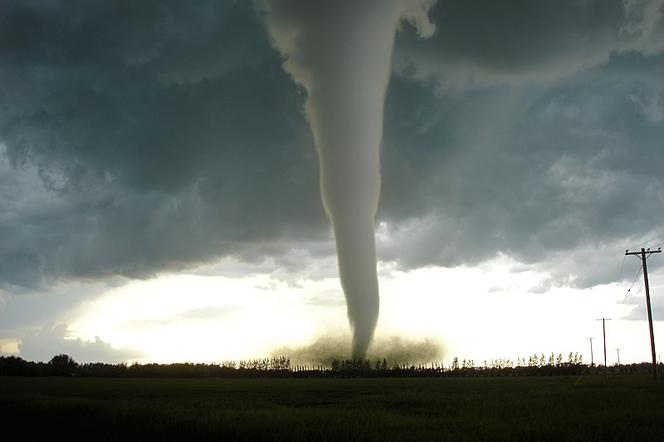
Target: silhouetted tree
{"type": "Point", "coordinates": [62, 365]}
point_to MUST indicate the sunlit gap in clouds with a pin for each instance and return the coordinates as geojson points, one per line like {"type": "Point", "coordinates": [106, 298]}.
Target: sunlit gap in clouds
{"type": "Point", "coordinates": [187, 317]}
{"type": "Point", "coordinates": [483, 312]}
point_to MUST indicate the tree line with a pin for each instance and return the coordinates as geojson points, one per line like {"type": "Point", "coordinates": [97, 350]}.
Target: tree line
{"type": "Point", "coordinates": [275, 367]}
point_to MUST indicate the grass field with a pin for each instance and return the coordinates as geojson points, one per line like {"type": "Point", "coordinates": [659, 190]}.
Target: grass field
{"type": "Point", "coordinates": [454, 409]}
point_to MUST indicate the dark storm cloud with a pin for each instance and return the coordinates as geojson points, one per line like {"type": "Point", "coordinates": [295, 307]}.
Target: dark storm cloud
{"type": "Point", "coordinates": [535, 172]}
{"type": "Point", "coordinates": [484, 43]}
{"type": "Point", "coordinates": [542, 140]}
{"type": "Point", "coordinates": [138, 137]}
{"type": "Point", "coordinates": [166, 135]}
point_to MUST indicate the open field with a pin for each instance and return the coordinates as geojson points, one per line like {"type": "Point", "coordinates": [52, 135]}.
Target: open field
{"type": "Point", "coordinates": [455, 409]}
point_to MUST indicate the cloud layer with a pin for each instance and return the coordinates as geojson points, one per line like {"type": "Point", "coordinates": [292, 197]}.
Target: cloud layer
{"type": "Point", "coordinates": [140, 138]}
{"type": "Point", "coordinates": [137, 138]}
{"type": "Point", "coordinates": [485, 43]}
{"type": "Point", "coordinates": [51, 340]}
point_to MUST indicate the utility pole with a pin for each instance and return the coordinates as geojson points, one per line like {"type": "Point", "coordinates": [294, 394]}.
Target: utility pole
{"type": "Point", "coordinates": [592, 359]}
{"type": "Point", "coordinates": [604, 337]}
{"type": "Point", "coordinates": [644, 254]}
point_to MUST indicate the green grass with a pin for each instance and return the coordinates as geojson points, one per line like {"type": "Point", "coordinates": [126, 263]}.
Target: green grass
{"type": "Point", "coordinates": [454, 409]}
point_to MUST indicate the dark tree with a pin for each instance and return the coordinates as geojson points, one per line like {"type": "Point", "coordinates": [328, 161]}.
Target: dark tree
{"type": "Point", "coordinates": [62, 365]}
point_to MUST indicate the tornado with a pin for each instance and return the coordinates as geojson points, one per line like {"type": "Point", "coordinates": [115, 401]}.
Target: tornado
{"type": "Point", "coordinates": [340, 52]}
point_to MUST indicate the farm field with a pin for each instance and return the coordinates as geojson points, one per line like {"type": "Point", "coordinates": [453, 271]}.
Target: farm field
{"type": "Point", "coordinates": [454, 409]}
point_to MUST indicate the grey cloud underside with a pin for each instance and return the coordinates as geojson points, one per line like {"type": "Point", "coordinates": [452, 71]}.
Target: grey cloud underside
{"type": "Point", "coordinates": [166, 136]}
{"type": "Point", "coordinates": [142, 138]}
{"type": "Point", "coordinates": [51, 340]}
{"type": "Point", "coordinates": [485, 43]}
{"type": "Point", "coordinates": [534, 172]}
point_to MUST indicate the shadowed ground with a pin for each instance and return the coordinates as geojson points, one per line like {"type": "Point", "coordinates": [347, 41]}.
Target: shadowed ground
{"type": "Point", "coordinates": [455, 409]}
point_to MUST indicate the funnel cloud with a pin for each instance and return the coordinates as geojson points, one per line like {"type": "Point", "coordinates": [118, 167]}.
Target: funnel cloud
{"type": "Point", "coordinates": [341, 53]}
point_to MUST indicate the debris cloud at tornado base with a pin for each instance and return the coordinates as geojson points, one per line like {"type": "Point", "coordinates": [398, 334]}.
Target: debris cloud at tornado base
{"type": "Point", "coordinates": [396, 350]}
{"type": "Point", "coordinates": [340, 52]}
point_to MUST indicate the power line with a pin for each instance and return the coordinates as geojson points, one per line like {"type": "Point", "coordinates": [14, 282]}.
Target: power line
{"type": "Point", "coordinates": [644, 255]}
{"type": "Point", "coordinates": [636, 276]}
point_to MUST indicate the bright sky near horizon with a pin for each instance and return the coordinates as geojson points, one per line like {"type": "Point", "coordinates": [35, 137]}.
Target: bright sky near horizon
{"type": "Point", "coordinates": [160, 198]}
{"type": "Point", "coordinates": [491, 311]}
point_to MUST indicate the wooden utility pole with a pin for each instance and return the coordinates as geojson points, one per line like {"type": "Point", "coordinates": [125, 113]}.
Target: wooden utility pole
{"type": "Point", "coordinates": [592, 358]}
{"type": "Point", "coordinates": [604, 337]}
{"type": "Point", "coordinates": [644, 254]}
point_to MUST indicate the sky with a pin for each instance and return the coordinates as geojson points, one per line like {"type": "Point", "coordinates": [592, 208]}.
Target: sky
{"type": "Point", "coordinates": [160, 198]}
